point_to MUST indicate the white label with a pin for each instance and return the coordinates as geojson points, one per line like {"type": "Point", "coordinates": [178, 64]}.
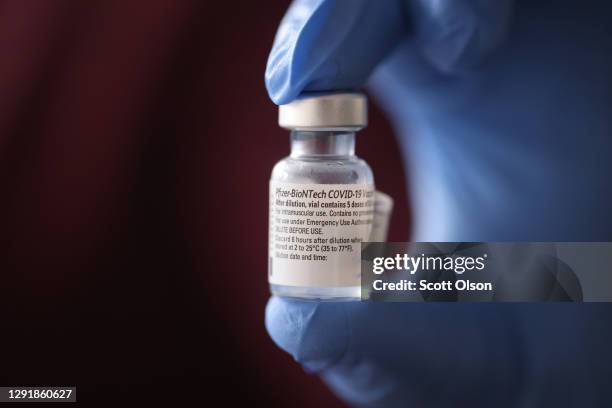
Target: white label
{"type": "Point", "coordinates": [316, 231]}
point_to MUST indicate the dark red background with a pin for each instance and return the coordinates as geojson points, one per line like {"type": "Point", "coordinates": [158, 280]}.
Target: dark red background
{"type": "Point", "coordinates": [136, 141]}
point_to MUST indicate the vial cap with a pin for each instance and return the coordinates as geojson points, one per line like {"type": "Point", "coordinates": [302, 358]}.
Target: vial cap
{"type": "Point", "coordinates": [325, 111]}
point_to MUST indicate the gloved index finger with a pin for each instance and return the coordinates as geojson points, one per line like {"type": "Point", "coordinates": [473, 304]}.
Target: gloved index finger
{"type": "Point", "coordinates": [325, 45]}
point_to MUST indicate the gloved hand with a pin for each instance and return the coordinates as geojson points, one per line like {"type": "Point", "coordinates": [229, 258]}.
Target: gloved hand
{"type": "Point", "coordinates": [450, 355]}
{"type": "Point", "coordinates": [404, 355]}
{"type": "Point", "coordinates": [475, 128]}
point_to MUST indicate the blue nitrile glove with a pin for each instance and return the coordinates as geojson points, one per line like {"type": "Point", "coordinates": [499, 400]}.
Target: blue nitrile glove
{"type": "Point", "coordinates": [377, 354]}
{"type": "Point", "coordinates": [503, 111]}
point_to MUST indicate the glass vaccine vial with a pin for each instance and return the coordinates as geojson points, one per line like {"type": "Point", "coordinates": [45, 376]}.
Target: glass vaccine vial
{"type": "Point", "coordinates": [321, 200]}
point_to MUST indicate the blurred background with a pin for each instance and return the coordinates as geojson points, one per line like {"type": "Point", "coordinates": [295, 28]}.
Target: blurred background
{"type": "Point", "coordinates": [136, 142]}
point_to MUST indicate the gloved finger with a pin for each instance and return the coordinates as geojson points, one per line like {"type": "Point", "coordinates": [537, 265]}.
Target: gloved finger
{"type": "Point", "coordinates": [314, 333]}
{"type": "Point", "coordinates": [335, 44]}
{"type": "Point", "coordinates": [361, 350]}
{"type": "Point", "coordinates": [318, 335]}
{"type": "Point", "coordinates": [331, 45]}
{"type": "Point", "coordinates": [457, 34]}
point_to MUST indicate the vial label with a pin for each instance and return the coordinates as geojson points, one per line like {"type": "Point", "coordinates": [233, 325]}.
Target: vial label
{"type": "Point", "coordinates": [316, 231]}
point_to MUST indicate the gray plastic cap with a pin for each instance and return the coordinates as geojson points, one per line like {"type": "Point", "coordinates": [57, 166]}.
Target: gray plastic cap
{"type": "Point", "coordinates": [332, 111]}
